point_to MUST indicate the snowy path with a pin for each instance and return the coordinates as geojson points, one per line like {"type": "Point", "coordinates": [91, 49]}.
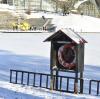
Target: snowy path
{"type": "Point", "coordinates": [12, 91]}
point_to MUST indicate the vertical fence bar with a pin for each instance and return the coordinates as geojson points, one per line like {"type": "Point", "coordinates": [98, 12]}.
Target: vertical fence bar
{"type": "Point", "coordinates": [67, 89]}
{"type": "Point", "coordinates": [53, 81]}
{"type": "Point", "coordinates": [22, 78]}
{"type": "Point", "coordinates": [81, 85]}
{"type": "Point", "coordinates": [16, 77]}
{"type": "Point", "coordinates": [47, 82]}
{"type": "Point", "coordinates": [60, 83]}
{"type": "Point", "coordinates": [40, 80]}
{"type": "Point", "coordinates": [97, 87]}
{"type": "Point", "coordinates": [76, 83]}
{"type": "Point", "coordinates": [10, 76]}
{"type": "Point", "coordinates": [34, 80]}
{"type": "Point", "coordinates": [27, 78]}
{"type": "Point", "coordinates": [90, 87]}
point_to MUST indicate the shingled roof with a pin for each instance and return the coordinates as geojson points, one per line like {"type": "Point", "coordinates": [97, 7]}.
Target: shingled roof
{"type": "Point", "coordinates": [68, 34]}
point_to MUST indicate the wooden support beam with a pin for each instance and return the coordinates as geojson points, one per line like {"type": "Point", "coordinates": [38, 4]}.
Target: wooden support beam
{"type": "Point", "coordinates": [76, 83]}
{"type": "Point", "coordinates": [81, 83]}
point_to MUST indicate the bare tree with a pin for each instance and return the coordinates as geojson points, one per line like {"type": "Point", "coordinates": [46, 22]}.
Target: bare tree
{"type": "Point", "coordinates": [67, 6]}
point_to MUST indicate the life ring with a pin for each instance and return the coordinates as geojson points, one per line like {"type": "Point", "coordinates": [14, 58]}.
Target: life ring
{"type": "Point", "coordinates": [66, 56]}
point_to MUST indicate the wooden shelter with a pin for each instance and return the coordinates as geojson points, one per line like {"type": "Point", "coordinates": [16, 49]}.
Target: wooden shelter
{"type": "Point", "coordinates": [67, 53]}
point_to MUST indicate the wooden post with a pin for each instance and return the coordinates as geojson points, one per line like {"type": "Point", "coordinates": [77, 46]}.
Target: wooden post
{"type": "Point", "coordinates": [51, 82]}
{"type": "Point", "coordinates": [51, 63]}
{"type": "Point", "coordinates": [82, 68]}
{"type": "Point", "coordinates": [54, 79]}
{"type": "Point", "coordinates": [76, 73]}
{"type": "Point", "coordinates": [76, 83]}
{"type": "Point", "coordinates": [81, 82]}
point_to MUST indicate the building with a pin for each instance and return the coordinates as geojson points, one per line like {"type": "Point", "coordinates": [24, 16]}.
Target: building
{"type": "Point", "coordinates": [86, 7]}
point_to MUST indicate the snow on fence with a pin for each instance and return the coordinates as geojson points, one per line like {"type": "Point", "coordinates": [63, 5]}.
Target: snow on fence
{"type": "Point", "coordinates": [65, 83]}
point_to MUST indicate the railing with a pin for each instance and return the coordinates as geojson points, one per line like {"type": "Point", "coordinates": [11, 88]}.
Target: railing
{"type": "Point", "coordinates": [28, 78]}
{"type": "Point", "coordinates": [42, 80]}
{"type": "Point", "coordinates": [92, 82]}
{"type": "Point", "coordinates": [60, 83]}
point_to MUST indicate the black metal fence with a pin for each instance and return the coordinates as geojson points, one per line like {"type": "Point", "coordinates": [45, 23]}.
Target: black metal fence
{"type": "Point", "coordinates": [93, 82]}
{"type": "Point", "coordinates": [29, 78]}
{"type": "Point", "coordinates": [63, 84]}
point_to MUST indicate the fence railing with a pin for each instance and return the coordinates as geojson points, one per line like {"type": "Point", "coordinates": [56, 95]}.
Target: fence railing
{"type": "Point", "coordinates": [91, 83]}
{"type": "Point", "coordinates": [29, 78]}
{"type": "Point", "coordinates": [60, 83]}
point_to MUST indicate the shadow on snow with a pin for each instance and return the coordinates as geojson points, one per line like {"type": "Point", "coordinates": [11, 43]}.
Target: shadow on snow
{"type": "Point", "coordinates": [9, 60]}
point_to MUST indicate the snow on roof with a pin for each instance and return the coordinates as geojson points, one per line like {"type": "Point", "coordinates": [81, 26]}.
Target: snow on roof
{"type": "Point", "coordinates": [70, 33]}
{"type": "Point", "coordinates": [74, 36]}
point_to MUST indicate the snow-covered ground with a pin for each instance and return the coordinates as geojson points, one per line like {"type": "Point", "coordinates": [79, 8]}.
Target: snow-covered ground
{"type": "Point", "coordinates": [11, 91]}
{"type": "Point", "coordinates": [79, 23]}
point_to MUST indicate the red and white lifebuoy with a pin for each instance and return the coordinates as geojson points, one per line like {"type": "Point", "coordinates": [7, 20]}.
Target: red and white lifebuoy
{"type": "Point", "coordinates": [66, 56]}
